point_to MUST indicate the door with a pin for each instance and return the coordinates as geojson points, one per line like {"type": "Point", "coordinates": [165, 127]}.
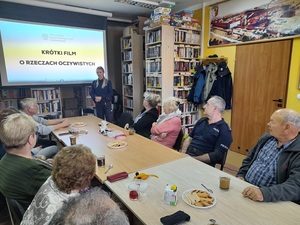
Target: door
{"type": "Point", "coordinates": [260, 87]}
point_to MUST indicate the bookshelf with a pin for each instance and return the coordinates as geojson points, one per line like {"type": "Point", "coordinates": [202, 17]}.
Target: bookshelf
{"type": "Point", "coordinates": [172, 54]}
{"type": "Point", "coordinates": [48, 100]}
{"type": "Point", "coordinates": [9, 97]}
{"type": "Point", "coordinates": [132, 73]}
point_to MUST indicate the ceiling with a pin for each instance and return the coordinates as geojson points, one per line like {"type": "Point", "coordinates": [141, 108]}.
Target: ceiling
{"type": "Point", "coordinates": [121, 11]}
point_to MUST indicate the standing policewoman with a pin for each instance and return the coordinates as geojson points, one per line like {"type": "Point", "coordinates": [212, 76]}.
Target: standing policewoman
{"type": "Point", "coordinates": [101, 94]}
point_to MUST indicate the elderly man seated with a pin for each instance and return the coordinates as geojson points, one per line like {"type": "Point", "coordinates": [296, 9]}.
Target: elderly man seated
{"type": "Point", "coordinates": [273, 164]}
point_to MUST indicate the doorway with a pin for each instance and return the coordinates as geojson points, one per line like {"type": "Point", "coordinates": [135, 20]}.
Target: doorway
{"type": "Point", "coordinates": [260, 87]}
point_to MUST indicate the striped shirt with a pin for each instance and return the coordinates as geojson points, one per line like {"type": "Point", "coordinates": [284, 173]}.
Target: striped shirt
{"type": "Point", "coordinates": [263, 170]}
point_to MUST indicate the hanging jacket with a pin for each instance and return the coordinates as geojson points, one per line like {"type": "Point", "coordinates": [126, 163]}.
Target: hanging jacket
{"type": "Point", "coordinates": [223, 84]}
{"type": "Point", "coordinates": [196, 92]}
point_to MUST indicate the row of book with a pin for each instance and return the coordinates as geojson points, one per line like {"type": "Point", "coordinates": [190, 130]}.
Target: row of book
{"type": "Point", "coordinates": [154, 82]}
{"type": "Point", "coordinates": [13, 93]}
{"type": "Point", "coordinates": [127, 67]}
{"type": "Point", "coordinates": [5, 103]}
{"type": "Point", "coordinates": [126, 55]}
{"type": "Point", "coordinates": [126, 43]}
{"type": "Point", "coordinates": [189, 119]}
{"type": "Point", "coordinates": [49, 107]}
{"type": "Point", "coordinates": [188, 107]}
{"type": "Point", "coordinates": [188, 36]}
{"type": "Point", "coordinates": [187, 51]}
{"type": "Point", "coordinates": [127, 79]}
{"type": "Point", "coordinates": [153, 66]}
{"type": "Point", "coordinates": [181, 81]}
{"type": "Point", "coordinates": [185, 66]}
{"type": "Point", "coordinates": [181, 94]}
{"type": "Point", "coordinates": [188, 130]}
{"type": "Point", "coordinates": [154, 36]}
{"type": "Point", "coordinates": [127, 91]}
{"type": "Point", "coordinates": [128, 102]}
{"type": "Point", "coordinates": [50, 94]}
{"type": "Point", "coordinates": [153, 51]}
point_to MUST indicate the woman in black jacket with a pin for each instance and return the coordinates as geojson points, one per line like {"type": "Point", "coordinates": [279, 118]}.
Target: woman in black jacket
{"type": "Point", "coordinates": [143, 122]}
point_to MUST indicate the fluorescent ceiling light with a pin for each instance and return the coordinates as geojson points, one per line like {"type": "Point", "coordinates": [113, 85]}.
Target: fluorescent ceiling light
{"type": "Point", "coordinates": [140, 3]}
{"type": "Point", "coordinates": [62, 7]}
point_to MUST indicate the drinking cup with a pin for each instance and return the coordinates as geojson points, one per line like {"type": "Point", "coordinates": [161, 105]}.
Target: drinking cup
{"type": "Point", "coordinates": [73, 140]}
{"type": "Point", "coordinates": [224, 183]}
{"type": "Point", "coordinates": [101, 160]}
{"type": "Point", "coordinates": [131, 131]}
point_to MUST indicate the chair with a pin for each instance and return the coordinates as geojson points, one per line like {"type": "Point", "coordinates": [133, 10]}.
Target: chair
{"type": "Point", "coordinates": [223, 161]}
{"type": "Point", "coordinates": [86, 111]}
{"type": "Point", "coordinates": [16, 211]}
{"type": "Point", "coordinates": [124, 118]}
{"type": "Point", "coordinates": [178, 142]}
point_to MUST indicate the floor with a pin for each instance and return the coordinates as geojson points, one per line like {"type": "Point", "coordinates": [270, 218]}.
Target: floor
{"type": "Point", "coordinates": [233, 162]}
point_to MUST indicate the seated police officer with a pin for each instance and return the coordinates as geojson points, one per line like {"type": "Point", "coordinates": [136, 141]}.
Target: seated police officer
{"type": "Point", "coordinates": [211, 136]}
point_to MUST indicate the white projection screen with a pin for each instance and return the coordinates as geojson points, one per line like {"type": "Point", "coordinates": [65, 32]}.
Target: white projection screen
{"type": "Point", "coordinates": [40, 54]}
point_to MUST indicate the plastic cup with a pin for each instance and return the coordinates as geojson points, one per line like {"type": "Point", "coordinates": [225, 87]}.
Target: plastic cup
{"type": "Point", "coordinates": [134, 191]}
{"type": "Point", "coordinates": [101, 160]}
{"type": "Point", "coordinates": [73, 140]}
{"type": "Point", "coordinates": [224, 183]}
{"type": "Point", "coordinates": [131, 131]}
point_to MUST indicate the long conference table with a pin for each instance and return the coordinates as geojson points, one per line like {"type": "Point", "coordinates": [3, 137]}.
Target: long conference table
{"type": "Point", "coordinates": [171, 167]}
{"type": "Point", "coordinates": [140, 153]}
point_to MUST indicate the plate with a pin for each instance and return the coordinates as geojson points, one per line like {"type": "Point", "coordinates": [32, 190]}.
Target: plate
{"type": "Point", "coordinates": [207, 200]}
{"type": "Point", "coordinates": [79, 124]}
{"type": "Point", "coordinates": [117, 144]}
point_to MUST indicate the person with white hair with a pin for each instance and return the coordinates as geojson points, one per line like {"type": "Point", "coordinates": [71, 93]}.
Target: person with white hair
{"type": "Point", "coordinates": [273, 164]}
{"type": "Point", "coordinates": [92, 207]}
{"type": "Point", "coordinates": [43, 126]}
{"type": "Point", "coordinates": [21, 175]}
{"type": "Point", "coordinates": [211, 136]}
{"type": "Point", "coordinates": [167, 127]}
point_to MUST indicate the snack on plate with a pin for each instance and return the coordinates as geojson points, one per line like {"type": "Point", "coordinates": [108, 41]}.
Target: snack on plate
{"type": "Point", "coordinates": [117, 144]}
{"type": "Point", "coordinates": [199, 198]}
{"type": "Point", "coordinates": [79, 124]}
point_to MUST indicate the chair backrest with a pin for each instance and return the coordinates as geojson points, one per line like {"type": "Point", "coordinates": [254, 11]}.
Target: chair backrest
{"type": "Point", "coordinates": [16, 211]}
{"type": "Point", "coordinates": [223, 161]}
{"type": "Point", "coordinates": [86, 111]}
{"type": "Point", "coordinates": [124, 118]}
{"type": "Point", "coordinates": [178, 142]}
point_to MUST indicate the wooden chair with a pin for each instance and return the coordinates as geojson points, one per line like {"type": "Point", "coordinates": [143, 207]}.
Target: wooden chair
{"type": "Point", "coordinates": [86, 111]}
{"type": "Point", "coordinates": [16, 211]}
{"type": "Point", "coordinates": [178, 142]}
{"type": "Point", "coordinates": [223, 161]}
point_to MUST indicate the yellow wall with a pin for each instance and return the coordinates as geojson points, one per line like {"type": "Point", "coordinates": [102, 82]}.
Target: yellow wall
{"type": "Point", "coordinates": [293, 84]}
{"type": "Point", "coordinates": [230, 51]}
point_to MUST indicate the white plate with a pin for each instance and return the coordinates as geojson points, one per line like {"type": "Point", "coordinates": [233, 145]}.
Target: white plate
{"type": "Point", "coordinates": [117, 144]}
{"type": "Point", "coordinates": [194, 206]}
{"type": "Point", "coordinates": [79, 124]}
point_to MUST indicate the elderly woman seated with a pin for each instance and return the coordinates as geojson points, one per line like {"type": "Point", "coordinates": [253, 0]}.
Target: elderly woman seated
{"type": "Point", "coordinates": [73, 169]}
{"type": "Point", "coordinates": [167, 127]}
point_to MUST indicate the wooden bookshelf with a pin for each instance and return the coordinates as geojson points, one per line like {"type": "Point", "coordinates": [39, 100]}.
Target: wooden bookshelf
{"type": "Point", "coordinates": [172, 55]}
{"type": "Point", "coordinates": [132, 73]}
{"type": "Point", "coordinates": [48, 100]}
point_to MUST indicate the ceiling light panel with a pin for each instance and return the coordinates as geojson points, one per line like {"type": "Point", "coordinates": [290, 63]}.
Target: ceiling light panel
{"type": "Point", "coordinates": [140, 3]}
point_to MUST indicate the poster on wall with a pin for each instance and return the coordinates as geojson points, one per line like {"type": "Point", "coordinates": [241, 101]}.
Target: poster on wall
{"type": "Point", "coordinates": [239, 21]}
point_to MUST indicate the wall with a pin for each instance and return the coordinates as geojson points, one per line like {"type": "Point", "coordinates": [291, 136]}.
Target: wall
{"type": "Point", "coordinates": [230, 51]}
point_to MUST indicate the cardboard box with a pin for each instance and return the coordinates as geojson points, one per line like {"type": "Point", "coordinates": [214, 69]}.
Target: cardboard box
{"type": "Point", "coordinates": [129, 30]}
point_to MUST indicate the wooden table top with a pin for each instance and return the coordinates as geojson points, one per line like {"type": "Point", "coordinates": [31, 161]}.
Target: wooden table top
{"type": "Point", "coordinates": [139, 154]}
{"type": "Point", "coordinates": [231, 207]}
